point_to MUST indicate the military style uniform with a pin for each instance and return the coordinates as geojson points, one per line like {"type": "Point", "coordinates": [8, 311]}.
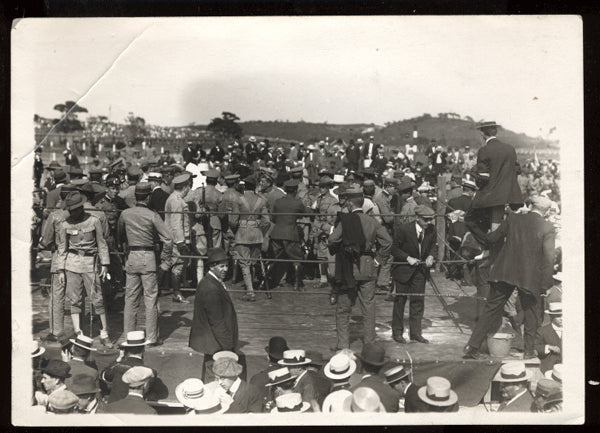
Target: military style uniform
{"type": "Point", "coordinates": [249, 231]}
{"type": "Point", "coordinates": [179, 224]}
{"type": "Point", "coordinates": [50, 233]}
{"type": "Point", "coordinates": [323, 227]}
{"type": "Point", "coordinates": [138, 227]}
{"type": "Point", "coordinates": [230, 196]}
{"type": "Point", "coordinates": [80, 245]}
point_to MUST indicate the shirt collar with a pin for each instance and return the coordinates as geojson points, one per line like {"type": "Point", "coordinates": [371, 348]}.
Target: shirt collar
{"type": "Point", "coordinates": [136, 394]}
{"type": "Point", "coordinates": [235, 386]}
{"type": "Point", "coordinates": [489, 138]}
{"type": "Point", "coordinates": [419, 228]}
{"type": "Point", "coordinates": [557, 329]}
{"type": "Point", "coordinates": [91, 405]}
{"type": "Point", "coordinates": [359, 210]}
{"type": "Point", "coordinates": [516, 397]}
{"type": "Point", "coordinates": [215, 277]}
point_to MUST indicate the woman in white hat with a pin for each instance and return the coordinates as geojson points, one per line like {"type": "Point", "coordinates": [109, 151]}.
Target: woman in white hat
{"type": "Point", "coordinates": [438, 395]}
{"type": "Point", "coordinates": [514, 379]}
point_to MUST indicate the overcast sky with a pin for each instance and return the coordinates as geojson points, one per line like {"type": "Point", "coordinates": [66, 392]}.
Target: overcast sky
{"type": "Point", "coordinates": [523, 72]}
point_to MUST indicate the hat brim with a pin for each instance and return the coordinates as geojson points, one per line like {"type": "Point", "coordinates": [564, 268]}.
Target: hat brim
{"type": "Point", "coordinates": [206, 402]}
{"type": "Point", "coordinates": [125, 344]}
{"type": "Point", "coordinates": [334, 399]}
{"type": "Point", "coordinates": [81, 345]}
{"type": "Point", "coordinates": [553, 313]}
{"type": "Point", "coordinates": [76, 205]}
{"type": "Point", "coordinates": [304, 408]}
{"type": "Point", "coordinates": [422, 393]}
{"type": "Point", "coordinates": [305, 362]}
{"type": "Point", "coordinates": [330, 374]}
{"type": "Point", "coordinates": [347, 406]}
{"type": "Point", "coordinates": [280, 381]}
{"type": "Point", "coordinates": [396, 379]}
{"type": "Point", "coordinates": [366, 361]}
{"type": "Point", "coordinates": [548, 375]}
{"type": "Point", "coordinates": [39, 351]}
{"type": "Point", "coordinates": [487, 126]}
{"type": "Point", "coordinates": [499, 378]}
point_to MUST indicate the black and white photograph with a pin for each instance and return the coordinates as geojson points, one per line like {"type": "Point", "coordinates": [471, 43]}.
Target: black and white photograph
{"type": "Point", "coordinates": [301, 220]}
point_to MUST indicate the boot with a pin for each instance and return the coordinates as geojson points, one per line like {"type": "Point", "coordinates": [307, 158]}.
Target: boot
{"type": "Point", "coordinates": [177, 296]}
{"type": "Point", "coordinates": [235, 277]}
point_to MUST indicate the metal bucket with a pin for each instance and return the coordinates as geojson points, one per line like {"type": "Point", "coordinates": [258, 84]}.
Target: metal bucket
{"type": "Point", "coordinates": [499, 344]}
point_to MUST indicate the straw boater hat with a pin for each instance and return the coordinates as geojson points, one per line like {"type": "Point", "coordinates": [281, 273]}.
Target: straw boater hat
{"type": "Point", "coordinates": [437, 392]}
{"type": "Point", "coordinates": [334, 402]}
{"type": "Point", "coordinates": [513, 372]}
{"type": "Point", "coordinates": [340, 366]}
{"type": "Point", "coordinates": [279, 375]}
{"type": "Point", "coordinates": [555, 373]}
{"type": "Point", "coordinates": [395, 374]}
{"type": "Point", "coordinates": [554, 308]}
{"type": "Point", "coordinates": [290, 403]}
{"type": "Point", "coordinates": [83, 341]}
{"type": "Point", "coordinates": [135, 339]}
{"type": "Point", "coordinates": [488, 124]}
{"type": "Point", "coordinates": [294, 357]}
{"type": "Point", "coordinates": [36, 349]}
{"type": "Point", "coordinates": [363, 399]}
{"type": "Point", "coordinates": [193, 393]}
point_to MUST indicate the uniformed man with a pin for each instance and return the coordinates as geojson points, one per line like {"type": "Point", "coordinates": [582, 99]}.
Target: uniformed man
{"type": "Point", "coordinates": [207, 199]}
{"type": "Point", "coordinates": [138, 227]}
{"type": "Point", "coordinates": [133, 177]}
{"type": "Point", "coordinates": [53, 196]}
{"type": "Point", "coordinates": [268, 190]}
{"type": "Point", "coordinates": [285, 238]}
{"type": "Point", "coordinates": [168, 174]}
{"type": "Point", "coordinates": [49, 240]}
{"type": "Point", "coordinates": [248, 231]}
{"type": "Point", "coordinates": [369, 207]}
{"type": "Point", "coordinates": [382, 200]}
{"type": "Point", "coordinates": [177, 219]}
{"type": "Point", "coordinates": [360, 239]}
{"type": "Point", "coordinates": [80, 244]}
{"type": "Point", "coordinates": [323, 227]}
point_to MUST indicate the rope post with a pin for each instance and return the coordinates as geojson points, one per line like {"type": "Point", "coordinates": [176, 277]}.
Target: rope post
{"type": "Point", "coordinates": [440, 223]}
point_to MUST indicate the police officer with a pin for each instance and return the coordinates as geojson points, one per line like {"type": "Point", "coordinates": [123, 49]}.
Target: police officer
{"type": "Point", "coordinates": [138, 227]}
{"type": "Point", "coordinates": [80, 244]}
{"type": "Point", "coordinates": [248, 231]}
{"type": "Point", "coordinates": [50, 232]}
{"type": "Point", "coordinates": [177, 218]}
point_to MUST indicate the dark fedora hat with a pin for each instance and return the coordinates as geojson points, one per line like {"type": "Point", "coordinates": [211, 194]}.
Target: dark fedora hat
{"type": "Point", "coordinates": [277, 345]}
{"type": "Point", "coordinates": [60, 176]}
{"type": "Point", "coordinates": [83, 384]}
{"type": "Point", "coordinates": [216, 255]}
{"type": "Point", "coordinates": [57, 368]}
{"type": "Point", "coordinates": [373, 353]}
{"type": "Point", "coordinates": [74, 200]}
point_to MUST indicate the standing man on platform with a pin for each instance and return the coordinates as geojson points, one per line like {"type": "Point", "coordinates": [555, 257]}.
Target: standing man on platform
{"type": "Point", "coordinates": [361, 245]}
{"type": "Point", "coordinates": [524, 262]}
{"type": "Point", "coordinates": [138, 227]}
{"type": "Point", "coordinates": [177, 219]}
{"type": "Point", "coordinates": [501, 161]}
{"type": "Point", "coordinates": [413, 243]}
{"type": "Point", "coordinates": [80, 245]}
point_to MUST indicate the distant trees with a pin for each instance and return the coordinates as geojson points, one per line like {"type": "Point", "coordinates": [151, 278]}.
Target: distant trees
{"type": "Point", "coordinates": [225, 127]}
{"type": "Point", "coordinates": [136, 126]}
{"type": "Point", "coordinates": [68, 121]}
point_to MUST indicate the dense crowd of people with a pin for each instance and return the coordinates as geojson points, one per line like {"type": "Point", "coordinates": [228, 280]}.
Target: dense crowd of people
{"type": "Point", "coordinates": [343, 213]}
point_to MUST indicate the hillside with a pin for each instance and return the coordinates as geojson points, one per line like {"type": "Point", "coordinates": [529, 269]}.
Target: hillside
{"type": "Point", "coordinates": [452, 132]}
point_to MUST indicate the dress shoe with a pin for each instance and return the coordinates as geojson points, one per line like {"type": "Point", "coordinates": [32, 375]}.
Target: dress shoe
{"type": "Point", "coordinates": [419, 339]}
{"type": "Point", "coordinates": [473, 353]}
{"type": "Point", "coordinates": [106, 342]}
{"type": "Point", "coordinates": [249, 297]}
{"type": "Point", "coordinates": [333, 298]}
{"type": "Point", "coordinates": [399, 339]}
{"type": "Point", "coordinates": [155, 343]}
{"type": "Point", "coordinates": [50, 337]}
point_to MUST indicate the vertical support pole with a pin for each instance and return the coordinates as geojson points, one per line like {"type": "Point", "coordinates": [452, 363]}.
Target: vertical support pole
{"type": "Point", "coordinates": [440, 223]}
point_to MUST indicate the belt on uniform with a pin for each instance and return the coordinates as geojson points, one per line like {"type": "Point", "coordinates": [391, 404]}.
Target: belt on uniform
{"type": "Point", "coordinates": [134, 248]}
{"type": "Point", "coordinates": [82, 253]}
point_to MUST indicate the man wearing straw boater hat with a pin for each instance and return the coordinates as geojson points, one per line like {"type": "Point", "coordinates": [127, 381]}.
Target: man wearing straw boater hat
{"type": "Point", "coordinates": [399, 378]}
{"type": "Point", "coordinates": [81, 245]}
{"type": "Point", "coordinates": [514, 379]}
{"type": "Point", "coordinates": [312, 385]}
{"type": "Point", "coordinates": [77, 354]}
{"type": "Point", "coordinates": [438, 395]}
{"type": "Point", "coordinates": [339, 369]}
{"type": "Point", "coordinates": [363, 400]}
{"type": "Point", "coordinates": [199, 398]}
{"type": "Point", "coordinates": [290, 403]}
{"type": "Point", "coordinates": [548, 340]}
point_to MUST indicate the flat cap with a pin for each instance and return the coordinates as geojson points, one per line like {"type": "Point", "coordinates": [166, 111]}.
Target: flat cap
{"type": "Point", "coordinates": [291, 183]}
{"type": "Point", "coordinates": [137, 376]}
{"type": "Point", "coordinates": [143, 188]}
{"type": "Point", "coordinates": [424, 211]}
{"type": "Point", "coordinates": [226, 367]}
{"type": "Point", "coordinates": [62, 400]}
{"type": "Point", "coordinates": [182, 179]}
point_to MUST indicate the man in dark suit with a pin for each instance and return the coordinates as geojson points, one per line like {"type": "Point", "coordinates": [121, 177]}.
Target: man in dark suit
{"type": "Point", "coordinates": [245, 397]}
{"type": "Point", "coordinates": [502, 187]}
{"type": "Point", "coordinates": [359, 238]}
{"type": "Point", "coordinates": [353, 155]}
{"type": "Point", "coordinates": [158, 196]}
{"type": "Point", "coordinates": [399, 378]}
{"type": "Point", "coordinates": [548, 340]}
{"type": "Point", "coordinates": [189, 153]}
{"type": "Point", "coordinates": [524, 261]}
{"type": "Point", "coordinates": [277, 345]}
{"type": "Point", "coordinates": [78, 353]}
{"type": "Point", "coordinates": [285, 236]}
{"type": "Point", "coordinates": [372, 359]}
{"type": "Point", "coordinates": [412, 243]}
{"type": "Point", "coordinates": [217, 152]}
{"type": "Point", "coordinates": [138, 380]}
{"type": "Point", "coordinates": [214, 324]}
{"type": "Point", "coordinates": [514, 392]}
